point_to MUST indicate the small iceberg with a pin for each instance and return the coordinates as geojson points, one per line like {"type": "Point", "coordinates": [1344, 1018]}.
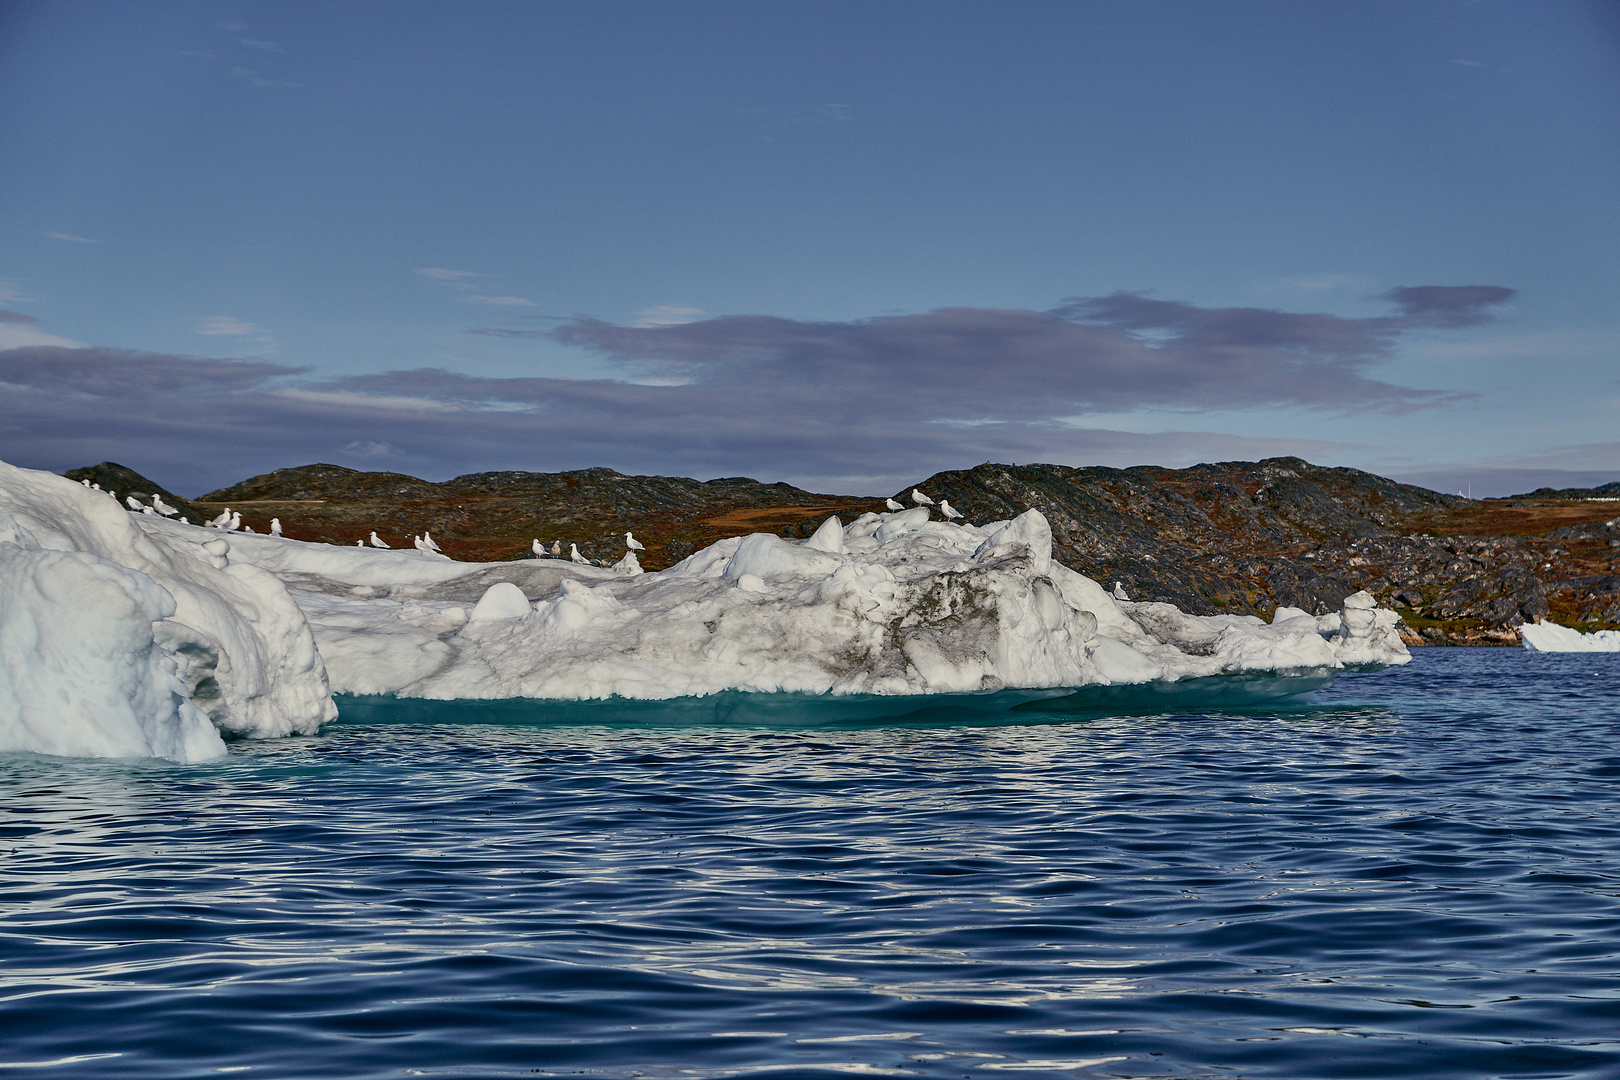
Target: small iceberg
{"type": "Point", "coordinates": [1550, 637]}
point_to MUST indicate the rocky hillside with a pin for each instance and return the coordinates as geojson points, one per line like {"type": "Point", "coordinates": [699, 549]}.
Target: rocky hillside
{"type": "Point", "coordinates": [123, 482]}
{"type": "Point", "coordinates": [484, 516]}
{"type": "Point", "coordinates": [1247, 537]}
{"type": "Point", "coordinates": [1241, 537]}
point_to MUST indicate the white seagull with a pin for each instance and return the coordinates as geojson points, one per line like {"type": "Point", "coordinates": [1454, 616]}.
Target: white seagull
{"type": "Point", "coordinates": [235, 523]}
{"type": "Point", "coordinates": [428, 542]}
{"type": "Point", "coordinates": [951, 513]}
{"type": "Point", "coordinates": [221, 521]}
{"type": "Point", "coordinates": [539, 549]}
{"type": "Point", "coordinates": [1119, 592]}
{"type": "Point", "coordinates": [359, 543]}
{"type": "Point", "coordinates": [633, 544]}
{"type": "Point", "coordinates": [162, 507]}
{"type": "Point", "coordinates": [892, 505]}
{"type": "Point", "coordinates": [376, 541]}
{"type": "Point", "coordinates": [573, 553]}
{"type": "Point", "coordinates": [556, 549]}
{"type": "Point", "coordinates": [275, 526]}
{"type": "Point", "coordinates": [920, 499]}
{"type": "Point", "coordinates": [133, 503]}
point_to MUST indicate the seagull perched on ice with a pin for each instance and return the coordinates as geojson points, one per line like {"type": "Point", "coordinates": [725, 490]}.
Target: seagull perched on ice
{"type": "Point", "coordinates": [951, 513]}
{"type": "Point", "coordinates": [539, 549]}
{"type": "Point", "coordinates": [221, 521]}
{"type": "Point", "coordinates": [573, 553]}
{"type": "Point", "coordinates": [556, 549]}
{"type": "Point", "coordinates": [234, 524]}
{"type": "Point", "coordinates": [633, 544]}
{"type": "Point", "coordinates": [275, 526]}
{"type": "Point", "coordinates": [427, 542]}
{"type": "Point", "coordinates": [892, 505]}
{"type": "Point", "coordinates": [1119, 592]}
{"type": "Point", "coordinates": [376, 541]}
{"type": "Point", "coordinates": [162, 507]}
{"type": "Point", "coordinates": [359, 543]}
{"type": "Point", "coordinates": [920, 499]}
{"type": "Point", "coordinates": [133, 503]}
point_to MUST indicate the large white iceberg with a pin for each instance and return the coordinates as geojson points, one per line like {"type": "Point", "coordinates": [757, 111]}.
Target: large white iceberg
{"type": "Point", "coordinates": [891, 604]}
{"type": "Point", "coordinates": [1550, 637]}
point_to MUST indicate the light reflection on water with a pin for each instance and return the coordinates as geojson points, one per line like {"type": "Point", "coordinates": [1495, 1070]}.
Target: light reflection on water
{"type": "Point", "coordinates": [1415, 874]}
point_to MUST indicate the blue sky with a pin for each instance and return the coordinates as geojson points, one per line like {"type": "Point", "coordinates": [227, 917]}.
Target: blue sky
{"type": "Point", "coordinates": [844, 245]}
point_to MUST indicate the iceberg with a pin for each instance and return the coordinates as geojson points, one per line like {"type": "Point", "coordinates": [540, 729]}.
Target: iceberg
{"type": "Point", "coordinates": [1550, 637]}
{"type": "Point", "coordinates": [255, 632]}
{"type": "Point", "coordinates": [891, 604]}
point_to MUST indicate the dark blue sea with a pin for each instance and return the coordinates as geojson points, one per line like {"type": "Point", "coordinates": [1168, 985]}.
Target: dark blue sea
{"type": "Point", "coordinates": [1414, 874]}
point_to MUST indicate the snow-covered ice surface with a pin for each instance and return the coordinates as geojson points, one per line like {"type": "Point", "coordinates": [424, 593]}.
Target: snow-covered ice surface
{"type": "Point", "coordinates": [1550, 637]}
{"type": "Point", "coordinates": [889, 606]}
{"type": "Point", "coordinates": [892, 604]}
{"type": "Point", "coordinates": [89, 674]}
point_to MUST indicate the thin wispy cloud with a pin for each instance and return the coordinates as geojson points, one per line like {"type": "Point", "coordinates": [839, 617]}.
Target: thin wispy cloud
{"type": "Point", "coordinates": [18, 330]}
{"type": "Point", "coordinates": [227, 326]}
{"type": "Point", "coordinates": [114, 374]}
{"type": "Point", "coordinates": [254, 78]}
{"type": "Point", "coordinates": [261, 45]}
{"type": "Point", "coordinates": [370, 448]}
{"type": "Point", "coordinates": [1319, 283]}
{"type": "Point", "coordinates": [515, 332]}
{"type": "Point", "coordinates": [70, 406]}
{"type": "Point", "coordinates": [464, 280]}
{"type": "Point", "coordinates": [1448, 305]}
{"type": "Point", "coordinates": [828, 404]}
{"type": "Point", "coordinates": [502, 301]}
{"type": "Point", "coordinates": [667, 315]}
{"type": "Point", "coordinates": [438, 273]}
{"type": "Point", "coordinates": [70, 238]}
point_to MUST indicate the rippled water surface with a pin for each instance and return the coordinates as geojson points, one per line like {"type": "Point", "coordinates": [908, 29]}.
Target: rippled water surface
{"type": "Point", "coordinates": [1417, 874]}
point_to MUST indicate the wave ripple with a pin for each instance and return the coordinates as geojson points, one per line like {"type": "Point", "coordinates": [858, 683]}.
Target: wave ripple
{"type": "Point", "coordinates": [1419, 876]}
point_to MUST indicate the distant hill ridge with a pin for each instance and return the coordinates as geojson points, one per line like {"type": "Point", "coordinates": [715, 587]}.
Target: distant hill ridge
{"type": "Point", "coordinates": [676, 493]}
{"type": "Point", "coordinates": [1603, 491]}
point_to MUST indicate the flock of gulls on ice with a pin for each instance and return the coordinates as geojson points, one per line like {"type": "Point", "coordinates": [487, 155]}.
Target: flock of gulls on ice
{"type": "Point", "coordinates": [231, 521]}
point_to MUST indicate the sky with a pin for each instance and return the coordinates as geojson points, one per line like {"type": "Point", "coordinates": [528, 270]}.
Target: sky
{"type": "Point", "coordinates": [841, 245]}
